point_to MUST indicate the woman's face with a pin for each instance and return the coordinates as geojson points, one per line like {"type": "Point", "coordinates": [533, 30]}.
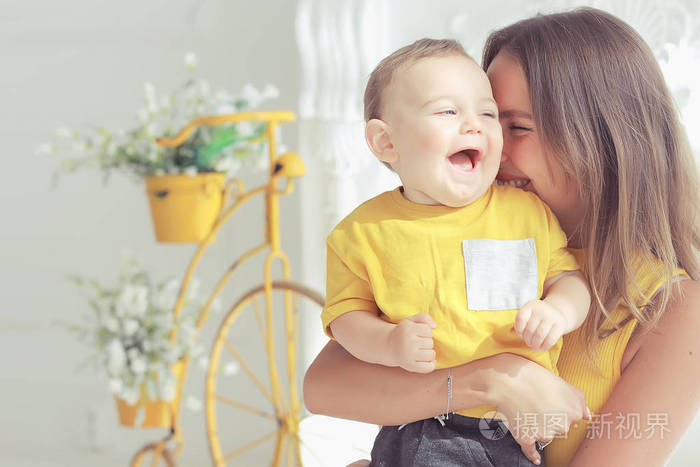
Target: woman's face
{"type": "Point", "coordinates": [524, 163]}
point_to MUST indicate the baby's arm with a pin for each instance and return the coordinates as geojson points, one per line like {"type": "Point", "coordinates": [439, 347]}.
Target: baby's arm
{"type": "Point", "coordinates": [408, 344]}
{"type": "Point", "coordinates": [563, 308]}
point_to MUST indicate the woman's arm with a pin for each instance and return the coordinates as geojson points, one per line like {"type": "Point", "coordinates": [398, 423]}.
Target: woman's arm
{"type": "Point", "coordinates": [661, 383]}
{"type": "Point", "coordinates": [339, 385]}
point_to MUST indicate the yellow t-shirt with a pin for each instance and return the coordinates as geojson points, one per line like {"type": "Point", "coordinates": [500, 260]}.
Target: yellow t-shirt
{"type": "Point", "coordinates": [597, 385]}
{"type": "Point", "coordinates": [471, 268]}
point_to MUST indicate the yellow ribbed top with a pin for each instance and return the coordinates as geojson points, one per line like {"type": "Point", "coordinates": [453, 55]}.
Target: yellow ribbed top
{"type": "Point", "coordinates": [576, 369]}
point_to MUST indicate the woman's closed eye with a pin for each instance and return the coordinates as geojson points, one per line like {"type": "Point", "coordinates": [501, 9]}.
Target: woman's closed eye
{"type": "Point", "coordinates": [447, 112]}
{"type": "Point", "coordinates": [519, 129]}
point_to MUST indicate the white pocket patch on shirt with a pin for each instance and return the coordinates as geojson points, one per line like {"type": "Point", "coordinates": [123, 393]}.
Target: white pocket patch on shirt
{"type": "Point", "coordinates": [501, 274]}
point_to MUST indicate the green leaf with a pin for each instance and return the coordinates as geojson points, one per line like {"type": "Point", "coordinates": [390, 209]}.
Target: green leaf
{"type": "Point", "coordinates": [224, 137]}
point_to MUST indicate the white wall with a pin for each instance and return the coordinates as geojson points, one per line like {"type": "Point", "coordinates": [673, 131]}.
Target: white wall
{"type": "Point", "coordinates": [71, 64]}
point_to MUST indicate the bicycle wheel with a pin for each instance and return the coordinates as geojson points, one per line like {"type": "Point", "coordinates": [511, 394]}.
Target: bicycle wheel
{"type": "Point", "coordinates": [253, 401]}
{"type": "Point", "coordinates": [153, 455]}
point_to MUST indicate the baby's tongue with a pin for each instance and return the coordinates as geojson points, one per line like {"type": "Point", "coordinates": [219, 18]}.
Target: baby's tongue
{"type": "Point", "coordinates": [461, 161]}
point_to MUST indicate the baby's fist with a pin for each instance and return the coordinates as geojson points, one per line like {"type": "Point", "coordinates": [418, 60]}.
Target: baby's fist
{"type": "Point", "coordinates": [539, 324]}
{"type": "Point", "coordinates": [412, 343]}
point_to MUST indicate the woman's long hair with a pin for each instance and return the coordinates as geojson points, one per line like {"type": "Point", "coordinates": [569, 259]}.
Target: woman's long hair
{"type": "Point", "coordinates": [604, 112]}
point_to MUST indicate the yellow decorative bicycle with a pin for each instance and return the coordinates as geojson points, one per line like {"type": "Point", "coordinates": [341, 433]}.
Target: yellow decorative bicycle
{"type": "Point", "coordinates": [267, 402]}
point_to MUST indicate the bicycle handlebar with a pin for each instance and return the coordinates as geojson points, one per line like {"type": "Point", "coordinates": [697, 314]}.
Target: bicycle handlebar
{"type": "Point", "coordinates": [272, 116]}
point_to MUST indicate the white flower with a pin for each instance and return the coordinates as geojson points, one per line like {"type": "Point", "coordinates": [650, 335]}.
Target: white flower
{"type": "Point", "coordinates": [138, 365]}
{"type": "Point", "coordinates": [190, 171]}
{"type": "Point", "coordinates": [172, 354]}
{"type": "Point", "coordinates": [227, 165]}
{"type": "Point", "coordinates": [132, 353]}
{"type": "Point", "coordinates": [115, 385]}
{"type": "Point", "coordinates": [45, 148]}
{"type": "Point", "coordinates": [133, 301]}
{"type": "Point", "coordinates": [130, 395]}
{"type": "Point", "coordinates": [110, 323]}
{"type": "Point", "coordinates": [79, 147]}
{"type": "Point", "coordinates": [252, 95]}
{"type": "Point", "coordinates": [100, 139]}
{"type": "Point", "coordinates": [245, 128]}
{"type": "Point", "coordinates": [159, 172]}
{"type": "Point", "coordinates": [262, 163]}
{"type": "Point", "coordinates": [224, 108]}
{"type": "Point", "coordinates": [193, 403]}
{"type": "Point", "coordinates": [231, 368]}
{"type": "Point", "coordinates": [131, 326]}
{"type": "Point", "coordinates": [167, 386]}
{"type": "Point", "coordinates": [223, 95]}
{"type": "Point", "coordinates": [116, 357]}
{"type": "Point", "coordinates": [65, 133]}
{"type": "Point", "coordinates": [190, 60]}
{"type": "Point", "coordinates": [151, 129]}
{"type": "Point", "coordinates": [143, 115]}
{"type": "Point", "coordinates": [270, 92]}
{"type": "Point", "coordinates": [166, 102]}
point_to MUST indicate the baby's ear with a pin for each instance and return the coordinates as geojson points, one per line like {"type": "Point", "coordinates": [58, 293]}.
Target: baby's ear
{"type": "Point", "coordinates": [378, 136]}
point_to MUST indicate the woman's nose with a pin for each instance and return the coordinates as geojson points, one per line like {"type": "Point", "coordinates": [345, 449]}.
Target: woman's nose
{"type": "Point", "coordinates": [505, 149]}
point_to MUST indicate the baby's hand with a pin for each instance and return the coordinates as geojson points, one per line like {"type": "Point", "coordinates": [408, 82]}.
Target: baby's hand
{"type": "Point", "coordinates": [411, 341]}
{"type": "Point", "coordinates": [539, 324]}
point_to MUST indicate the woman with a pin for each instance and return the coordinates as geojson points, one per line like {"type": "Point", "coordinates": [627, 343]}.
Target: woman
{"type": "Point", "coordinates": [590, 126]}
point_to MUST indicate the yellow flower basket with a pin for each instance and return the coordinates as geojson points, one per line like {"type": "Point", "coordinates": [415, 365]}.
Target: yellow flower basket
{"type": "Point", "coordinates": [184, 208]}
{"type": "Point", "coordinates": [158, 413]}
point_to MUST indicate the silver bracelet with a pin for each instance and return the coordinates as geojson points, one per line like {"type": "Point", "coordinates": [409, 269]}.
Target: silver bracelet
{"type": "Point", "coordinates": [449, 392]}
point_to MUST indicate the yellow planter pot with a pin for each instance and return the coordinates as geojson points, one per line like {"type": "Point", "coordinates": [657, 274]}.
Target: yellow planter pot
{"type": "Point", "coordinates": [184, 208]}
{"type": "Point", "coordinates": [157, 413]}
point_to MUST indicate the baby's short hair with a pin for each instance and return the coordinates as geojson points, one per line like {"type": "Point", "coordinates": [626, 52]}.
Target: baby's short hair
{"type": "Point", "coordinates": [381, 76]}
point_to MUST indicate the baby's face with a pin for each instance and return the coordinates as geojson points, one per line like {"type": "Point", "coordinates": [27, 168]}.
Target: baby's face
{"type": "Point", "coordinates": [443, 124]}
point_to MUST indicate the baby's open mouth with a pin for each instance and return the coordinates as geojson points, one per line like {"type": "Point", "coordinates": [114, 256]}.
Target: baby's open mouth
{"type": "Point", "coordinates": [465, 159]}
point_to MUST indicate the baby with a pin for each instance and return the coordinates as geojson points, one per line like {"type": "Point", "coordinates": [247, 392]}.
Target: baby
{"type": "Point", "coordinates": [449, 267]}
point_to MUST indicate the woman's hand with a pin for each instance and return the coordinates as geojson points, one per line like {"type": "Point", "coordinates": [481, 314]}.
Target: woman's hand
{"type": "Point", "coordinates": [537, 404]}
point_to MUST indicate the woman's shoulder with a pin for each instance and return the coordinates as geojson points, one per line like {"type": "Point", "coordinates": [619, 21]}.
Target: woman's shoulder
{"type": "Point", "coordinates": [650, 277]}
{"type": "Point", "coordinates": [681, 314]}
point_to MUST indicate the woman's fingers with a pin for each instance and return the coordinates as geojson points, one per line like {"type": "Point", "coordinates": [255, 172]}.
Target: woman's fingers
{"type": "Point", "coordinates": [527, 445]}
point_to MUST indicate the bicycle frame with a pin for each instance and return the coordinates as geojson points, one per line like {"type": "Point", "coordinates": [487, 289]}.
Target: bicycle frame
{"type": "Point", "coordinates": [235, 190]}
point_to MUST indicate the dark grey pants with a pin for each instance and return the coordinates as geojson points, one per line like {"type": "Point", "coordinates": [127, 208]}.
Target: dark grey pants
{"type": "Point", "coordinates": [463, 441]}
